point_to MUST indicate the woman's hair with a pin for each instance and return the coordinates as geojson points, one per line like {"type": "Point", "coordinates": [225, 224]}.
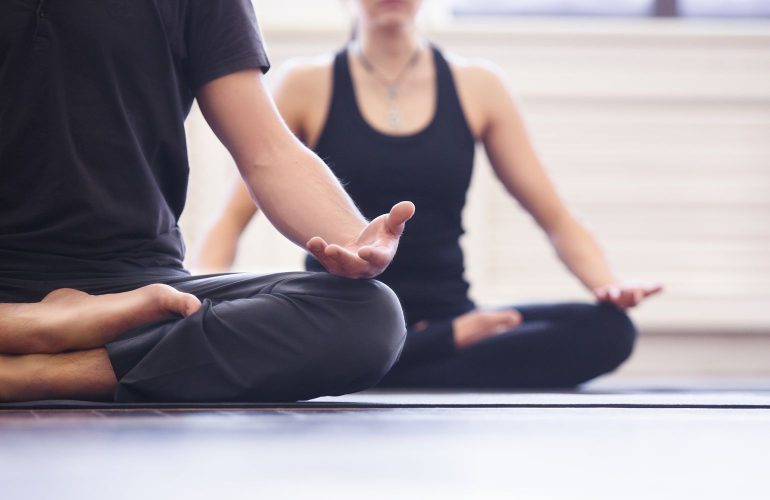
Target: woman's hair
{"type": "Point", "coordinates": [355, 28]}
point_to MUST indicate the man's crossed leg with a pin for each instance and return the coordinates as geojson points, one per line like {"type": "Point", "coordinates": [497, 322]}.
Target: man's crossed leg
{"type": "Point", "coordinates": [282, 337]}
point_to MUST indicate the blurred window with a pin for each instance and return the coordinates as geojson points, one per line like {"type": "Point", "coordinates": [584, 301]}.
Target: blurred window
{"type": "Point", "coordinates": [721, 8]}
{"type": "Point", "coordinates": [619, 8]}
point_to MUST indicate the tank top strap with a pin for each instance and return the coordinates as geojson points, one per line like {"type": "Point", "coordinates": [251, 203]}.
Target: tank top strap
{"type": "Point", "coordinates": [342, 99]}
{"type": "Point", "coordinates": [343, 93]}
{"type": "Point", "coordinates": [449, 106]}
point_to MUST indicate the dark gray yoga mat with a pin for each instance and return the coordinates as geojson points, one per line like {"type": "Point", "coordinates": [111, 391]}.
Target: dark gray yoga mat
{"type": "Point", "coordinates": [685, 397]}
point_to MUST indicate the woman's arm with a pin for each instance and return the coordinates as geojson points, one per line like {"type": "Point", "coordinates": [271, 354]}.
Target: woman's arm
{"type": "Point", "coordinates": [219, 246]}
{"type": "Point", "coordinates": [518, 167]}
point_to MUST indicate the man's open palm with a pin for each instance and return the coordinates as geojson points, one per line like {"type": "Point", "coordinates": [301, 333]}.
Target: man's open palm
{"type": "Point", "coordinates": [371, 252]}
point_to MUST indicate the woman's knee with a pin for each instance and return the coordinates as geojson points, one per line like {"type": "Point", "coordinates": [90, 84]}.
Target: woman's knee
{"type": "Point", "coordinates": [615, 333]}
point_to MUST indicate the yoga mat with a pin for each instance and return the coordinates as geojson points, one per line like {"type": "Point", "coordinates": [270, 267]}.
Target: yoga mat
{"type": "Point", "coordinates": [670, 398]}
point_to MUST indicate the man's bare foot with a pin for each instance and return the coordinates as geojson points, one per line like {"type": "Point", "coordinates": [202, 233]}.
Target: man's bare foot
{"type": "Point", "coordinates": [68, 319]}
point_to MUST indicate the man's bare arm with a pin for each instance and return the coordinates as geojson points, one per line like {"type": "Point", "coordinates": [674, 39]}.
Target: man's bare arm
{"type": "Point", "coordinates": [293, 187]}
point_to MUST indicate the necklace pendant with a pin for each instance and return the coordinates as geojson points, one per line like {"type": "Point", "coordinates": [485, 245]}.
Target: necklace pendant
{"type": "Point", "coordinates": [395, 120]}
{"type": "Point", "coordinates": [392, 92]}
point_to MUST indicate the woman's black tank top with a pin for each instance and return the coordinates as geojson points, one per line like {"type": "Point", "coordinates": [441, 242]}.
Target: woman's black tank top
{"type": "Point", "coordinates": [432, 168]}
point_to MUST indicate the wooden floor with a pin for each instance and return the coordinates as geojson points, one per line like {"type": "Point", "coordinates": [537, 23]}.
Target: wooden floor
{"type": "Point", "coordinates": [622, 442]}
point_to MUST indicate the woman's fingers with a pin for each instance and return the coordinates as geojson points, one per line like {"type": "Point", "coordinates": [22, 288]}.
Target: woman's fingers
{"type": "Point", "coordinates": [500, 321]}
{"type": "Point", "coordinates": [652, 289]}
{"type": "Point", "coordinates": [625, 296]}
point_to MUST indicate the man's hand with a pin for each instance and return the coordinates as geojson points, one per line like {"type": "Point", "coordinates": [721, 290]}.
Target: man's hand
{"type": "Point", "coordinates": [625, 295]}
{"type": "Point", "coordinates": [475, 326]}
{"type": "Point", "coordinates": [371, 252]}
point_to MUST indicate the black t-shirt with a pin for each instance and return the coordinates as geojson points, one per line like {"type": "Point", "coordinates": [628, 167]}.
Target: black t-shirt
{"type": "Point", "coordinates": [93, 98]}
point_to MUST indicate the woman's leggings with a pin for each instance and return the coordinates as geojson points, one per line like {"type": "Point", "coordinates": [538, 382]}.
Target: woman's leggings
{"type": "Point", "coordinates": [557, 345]}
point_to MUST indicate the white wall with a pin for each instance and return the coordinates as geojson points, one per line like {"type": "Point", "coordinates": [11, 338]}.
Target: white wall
{"type": "Point", "coordinates": [657, 133]}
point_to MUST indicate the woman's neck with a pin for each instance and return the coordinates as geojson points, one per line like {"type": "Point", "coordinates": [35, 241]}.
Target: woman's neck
{"type": "Point", "coordinates": [389, 48]}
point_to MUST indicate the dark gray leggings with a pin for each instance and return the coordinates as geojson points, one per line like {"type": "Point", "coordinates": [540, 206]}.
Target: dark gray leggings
{"type": "Point", "coordinates": [282, 337]}
{"type": "Point", "coordinates": [557, 345]}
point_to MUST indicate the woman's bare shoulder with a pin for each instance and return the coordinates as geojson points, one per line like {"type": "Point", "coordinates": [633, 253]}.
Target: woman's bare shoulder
{"type": "Point", "coordinates": [305, 74]}
{"type": "Point", "coordinates": [302, 90]}
{"type": "Point", "coordinates": [479, 75]}
{"type": "Point", "coordinates": [481, 89]}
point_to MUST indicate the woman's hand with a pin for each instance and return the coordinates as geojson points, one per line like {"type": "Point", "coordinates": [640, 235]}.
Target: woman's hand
{"type": "Point", "coordinates": [475, 326]}
{"type": "Point", "coordinates": [371, 252]}
{"type": "Point", "coordinates": [625, 295]}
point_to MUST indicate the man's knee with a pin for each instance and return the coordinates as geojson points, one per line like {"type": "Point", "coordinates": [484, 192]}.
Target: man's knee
{"type": "Point", "coordinates": [369, 335]}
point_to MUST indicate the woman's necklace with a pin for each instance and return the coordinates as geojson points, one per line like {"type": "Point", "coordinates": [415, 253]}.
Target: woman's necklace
{"type": "Point", "coordinates": [392, 86]}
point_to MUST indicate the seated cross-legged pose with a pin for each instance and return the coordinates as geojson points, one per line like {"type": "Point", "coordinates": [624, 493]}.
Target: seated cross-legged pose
{"type": "Point", "coordinates": [94, 300]}
{"type": "Point", "coordinates": [395, 118]}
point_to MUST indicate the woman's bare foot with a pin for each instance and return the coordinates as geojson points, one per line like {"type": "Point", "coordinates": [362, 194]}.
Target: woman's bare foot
{"type": "Point", "coordinates": [477, 325]}
{"type": "Point", "coordinates": [68, 319]}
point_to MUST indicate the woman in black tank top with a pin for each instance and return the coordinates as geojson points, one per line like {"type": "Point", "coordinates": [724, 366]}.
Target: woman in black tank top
{"type": "Point", "coordinates": [450, 343]}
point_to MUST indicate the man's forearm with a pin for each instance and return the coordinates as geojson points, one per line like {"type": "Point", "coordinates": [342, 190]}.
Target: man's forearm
{"type": "Point", "coordinates": [300, 196]}
{"type": "Point", "coordinates": [295, 189]}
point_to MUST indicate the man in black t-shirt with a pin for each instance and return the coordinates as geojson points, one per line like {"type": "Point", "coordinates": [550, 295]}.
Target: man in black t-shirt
{"type": "Point", "coordinates": [93, 98]}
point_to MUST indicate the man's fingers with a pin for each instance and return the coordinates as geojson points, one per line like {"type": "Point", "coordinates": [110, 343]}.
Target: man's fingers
{"type": "Point", "coordinates": [350, 264]}
{"type": "Point", "coordinates": [316, 246]}
{"type": "Point", "coordinates": [337, 254]}
{"type": "Point", "coordinates": [399, 214]}
{"type": "Point", "coordinates": [375, 256]}
{"type": "Point", "coordinates": [330, 256]}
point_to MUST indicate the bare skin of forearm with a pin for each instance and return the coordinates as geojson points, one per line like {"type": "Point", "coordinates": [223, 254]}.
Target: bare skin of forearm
{"type": "Point", "coordinates": [582, 254]}
{"type": "Point", "coordinates": [293, 187]}
{"type": "Point", "coordinates": [217, 252]}
{"type": "Point", "coordinates": [319, 207]}
{"type": "Point", "coordinates": [519, 169]}
{"type": "Point", "coordinates": [219, 245]}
